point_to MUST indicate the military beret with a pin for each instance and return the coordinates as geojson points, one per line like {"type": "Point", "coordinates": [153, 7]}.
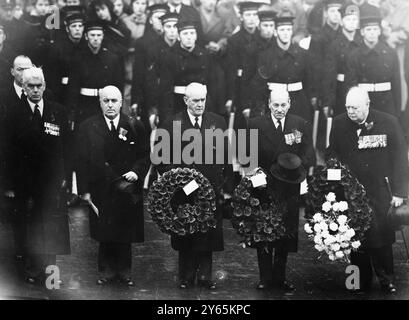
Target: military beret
{"type": "Point", "coordinates": [159, 7]}
{"type": "Point", "coordinates": [370, 16]}
{"type": "Point", "coordinates": [73, 18]}
{"type": "Point", "coordinates": [267, 15]}
{"type": "Point", "coordinates": [186, 24]}
{"type": "Point", "coordinates": [284, 20]}
{"type": "Point", "coordinates": [349, 10]}
{"type": "Point", "coordinates": [169, 16]}
{"type": "Point", "coordinates": [8, 4]}
{"type": "Point", "coordinates": [248, 6]}
{"type": "Point", "coordinates": [93, 25]}
{"type": "Point", "coordinates": [333, 3]}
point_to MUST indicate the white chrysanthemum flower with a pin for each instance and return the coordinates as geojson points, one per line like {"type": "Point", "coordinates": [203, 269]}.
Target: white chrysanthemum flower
{"type": "Point", "coordinates": [356, 244]}
{"type": "Point", "coordinates": [347, 251]}
{"type": "Point", "coordinates": [350, 233]}
{"type": "Point", "coordinates": [326, 206]}
{"type": "Point", "coordinates": [339, 254]}
{"type": "Point", "coordinates": [333, 226]}
{"type": "Point", "coordinates": [344, 245]}
{"type": "Point", "coordinates": [318, 239]}
{"type": "Point", "coordinates": [343, 228]}
{"type": "Point", "coordinates": [335, 247]}
{"type": "Point", "coordinates": [343, 206]}
{"type": "Point", "coordinates": [323, 226]}
{"type": "Point", "coordinates": [308, 228]}
{"type": "Point", "coordinates": [330, 197]}
{"type": "Point", "coordinates": [320, 248]}
{"type": "Point", "coordinates": [335, 207]}
{"type": "Point", "coordinates": [342, 219]}
{"type": "Point", "coordinates": [317, 217]}
{"type": "Point", "coordinates": [331, 257]}
{"type": "Point", "coordinates": [317, 227]}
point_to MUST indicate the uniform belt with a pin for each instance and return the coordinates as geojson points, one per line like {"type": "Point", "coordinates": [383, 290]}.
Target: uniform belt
{"type": "Point", "coordinates": [376, 87]}
{"type": "Point", "coordinates": [64, 80]}
{"type": "Point", "coordinates": [89, 92]}
{"type": "Point", "coordinates": [296, 86]}
{"type": "Point", "coordinates": [341, 77]}
{"type": "Point", "coordinates": [179, 89]}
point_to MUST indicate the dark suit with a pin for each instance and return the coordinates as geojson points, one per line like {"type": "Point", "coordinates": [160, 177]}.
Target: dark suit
{"type": "Point", "coordinates": [35, 170]}
{"type": "Point", "coordinates": [195, 251]}
{"type": "Point", "coordinates": [371, 166]}
{"type": "Point", "coordinates": [104, 158]}
{"type": "Point", "coordinates": [272, 143]}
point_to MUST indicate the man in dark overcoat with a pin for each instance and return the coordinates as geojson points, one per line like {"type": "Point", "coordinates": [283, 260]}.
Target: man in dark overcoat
{"type": "Point", "coordinates": [282, 133]}
{"type": "Point", "coordinates": [195, 251]}
{"type": "Point", "coordinates": [113, 161]}
{"type": "Point", "coordinates": [36, 132]}
{"type": "Point", "coordinates": [374, 65]}
{"type": "Point", "coordinates": [372, 144]}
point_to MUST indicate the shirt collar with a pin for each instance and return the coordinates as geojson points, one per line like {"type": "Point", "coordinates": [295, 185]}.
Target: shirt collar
{"type": "Point", "coordinates": [39, 104]}
{"type": "Point", "coordinates": [193, 120]}
{"type": "Point", "coordinates": [276, 121]}
{"type": "Point", "coordinates": [108, 122]}
{"type": "Point", "coordinates": [176, 8]}
{"type": "Point", "coordinates": [18, 89]}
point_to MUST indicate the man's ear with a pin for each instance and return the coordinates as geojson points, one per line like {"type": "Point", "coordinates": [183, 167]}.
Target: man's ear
{"type": "Point", "coordinates": [185, 99]}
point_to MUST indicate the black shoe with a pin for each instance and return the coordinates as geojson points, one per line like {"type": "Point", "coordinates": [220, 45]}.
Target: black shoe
{"type": "Point", "coordinates": [389, 288]}
{"type": "Point", "coordinates": [285, 286]}
{"type": "Point", "coordinates": [184, 284]}
{"type": "Point", "coordinates": [263, 285]}
{"type": "Point", "coordinates": [207, 284]}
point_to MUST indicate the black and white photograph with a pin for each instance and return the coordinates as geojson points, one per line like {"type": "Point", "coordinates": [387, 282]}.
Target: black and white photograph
{"type": "Point", "coordinates": [203, 156]}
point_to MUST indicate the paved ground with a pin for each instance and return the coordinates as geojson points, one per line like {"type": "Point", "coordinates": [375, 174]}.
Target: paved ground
{"type": "Point", "coordinates": [154, 270]}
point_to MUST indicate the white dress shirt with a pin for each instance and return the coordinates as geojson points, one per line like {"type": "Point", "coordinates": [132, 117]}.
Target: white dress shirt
{"type": "Point", "coordinates": [175, 8]}
{"type": "Point", "coordinates": [40, 105]}
{"type": "Point", "coordinates": [116, 122]}
{"type": "Point", "coordinates": [276, 122]}
{"type": "Point", "coordinates": [192, 119]}
{"type": "Point", "coordinates": [18, 89]}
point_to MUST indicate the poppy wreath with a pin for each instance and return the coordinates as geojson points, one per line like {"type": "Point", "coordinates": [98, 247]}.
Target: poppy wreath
{"type": "Point", "coordinates": [348, 188]}
{"type": "Point", "coordinates": [257, 214]}
{"type": "Point", "coordinates": [188, 214]}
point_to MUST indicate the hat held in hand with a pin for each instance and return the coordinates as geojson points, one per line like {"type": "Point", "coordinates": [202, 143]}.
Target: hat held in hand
{"type": "Point", "coordinates": [288, 168]}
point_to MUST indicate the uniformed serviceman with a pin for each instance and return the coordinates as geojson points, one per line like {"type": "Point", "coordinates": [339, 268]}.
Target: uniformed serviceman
{"type": "Point", "coordinates": [285, 66]}
{"type": "Point", "coordinates": [62, 52]}
{"type": "Point", "coordinates": [375, 66]}
{"type": "Point", "coordinates": [185, 62]}
{"type": "Point", "coordinates": [372, 144]}
{"type": "Point", "coordinates": [14, 28]}
{"type": "Point", "coordinates": [333, 84]}
{"type": "Point", "coordinates": [92, 69]}
{"type": "Point", "coordinates": [241, 48]}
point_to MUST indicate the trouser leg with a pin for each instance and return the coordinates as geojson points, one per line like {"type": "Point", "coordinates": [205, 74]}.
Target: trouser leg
{"type": "Point", "coordinates": [382, 260]}
{"type": "Point", "coordinates": [204, 262]}
{"type": "Point", "coordinates": [362, 260]}
{"type": "Point", "coordinates": [106, 258]}
{"type": "Point", "coordinates": [123, 260]}
{"type": "Point", "coordinates": [280, 264]}
{"type": "Point", "coordinates": [265, 264]}
{"type": "Point", "coordinates": [187, 266]}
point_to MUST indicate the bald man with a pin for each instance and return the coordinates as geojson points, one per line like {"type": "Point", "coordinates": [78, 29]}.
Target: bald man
{"type": "Point", "coordinates": [113, 162]}
{"type": "Point", "coordinates": [195, 251]}
{"type": "Point", "coordinates": [372, 144]}
{"type": "Point", "coordinates": [280, 132]}
{"type": "Point", "coordinates": [36, 134]}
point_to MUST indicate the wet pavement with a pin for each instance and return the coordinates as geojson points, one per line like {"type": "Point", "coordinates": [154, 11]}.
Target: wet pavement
{"type": "Point", "coordinates": [155, 270]}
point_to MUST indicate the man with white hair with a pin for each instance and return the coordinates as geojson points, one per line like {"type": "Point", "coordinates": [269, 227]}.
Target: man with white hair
{"type": "Point", "coordinates": [195, 251]}
{"type": "Point", "coordinates": [35, 175]}
{"type": "Point", "coordinates": [113, 162]}
{"type": "Point", "coordinates": [280, 132]}
{"type": "Point", "coordinates": [372, 144]}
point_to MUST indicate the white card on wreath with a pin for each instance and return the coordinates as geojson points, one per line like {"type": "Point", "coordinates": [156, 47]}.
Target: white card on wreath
{"type": "Point", "coordinates": [258, 180]}
{"type": "Point", "coordinates": [190, 187]}
{"type": "Point", "coordinates": [304, 187]}
{"type": "Point", "coordinates": [334, 174]}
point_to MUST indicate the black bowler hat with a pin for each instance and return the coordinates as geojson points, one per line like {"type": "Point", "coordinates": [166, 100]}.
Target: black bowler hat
{"type": "Point", "coordinates": [285, 20]}
{"type": "Point", "coordinates": [186, 24]}
{"type": "Point", "coordinates": [333, 3]}
{"type": "Point", "coordinates": [349, 10]}
{"type": "Point", "coordinates": [267, 15]}
{"type": "Point", "coordinates": [93, 25]}
{"type": "Point", "coordinates": [74, 18]}
{"type": "Point", "coordinates": [288, 168]}
{"type": "Point", "coordinates": [8, 4]}
{"type": "Point", "coordinates": [248, 6]}
{"type": "Point", "coordinates": [159, 7]}
{"type": "Point", "coordinates": [370, 16]}
{"type": "Point", "coordinates": [169, 17]}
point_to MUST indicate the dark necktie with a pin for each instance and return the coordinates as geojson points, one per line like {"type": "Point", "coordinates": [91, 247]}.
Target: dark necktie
{"type": "Point", "coordinates": [197, 123]}
{"type": "Point", "coordinates": [361, 126]}
{"type": "Point", "coordinates": [113, 129]}
{"type": "Point", "coordinates": [279, 127]}
{"type": "Point", "coordinates": [37, 120]}
{"type": "Point", "coordinates": [23, 95]}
